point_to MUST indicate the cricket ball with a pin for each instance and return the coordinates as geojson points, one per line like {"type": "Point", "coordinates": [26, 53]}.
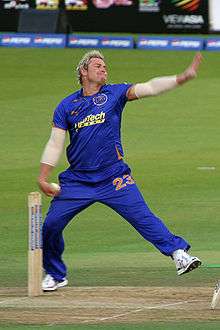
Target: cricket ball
{"type": "Point", "coordinates": [55, 187]}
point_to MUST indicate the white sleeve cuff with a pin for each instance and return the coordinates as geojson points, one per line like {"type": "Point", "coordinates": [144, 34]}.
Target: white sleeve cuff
{"type": "Point", "coordinates": [155, 86]}
{"type": "Point", "coordinates": [54, 147]}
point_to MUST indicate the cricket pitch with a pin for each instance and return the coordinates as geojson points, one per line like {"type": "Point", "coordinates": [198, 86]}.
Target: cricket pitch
{"type": "Point", "coordinates": [102, 305]}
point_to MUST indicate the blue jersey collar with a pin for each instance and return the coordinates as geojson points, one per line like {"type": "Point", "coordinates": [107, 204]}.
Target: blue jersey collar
{"type": "Point", "coordinates": [81, 92]}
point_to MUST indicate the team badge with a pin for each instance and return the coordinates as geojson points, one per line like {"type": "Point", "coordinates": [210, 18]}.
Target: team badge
{"type": "Point", "coordinates": [100, 99]}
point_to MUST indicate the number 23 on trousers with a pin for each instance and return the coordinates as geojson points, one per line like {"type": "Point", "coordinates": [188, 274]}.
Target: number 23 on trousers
{"type": "Point", "coordinates": [122, 182]}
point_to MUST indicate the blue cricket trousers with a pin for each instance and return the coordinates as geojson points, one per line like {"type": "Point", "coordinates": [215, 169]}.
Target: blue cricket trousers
{"type": "Point", "coordinates": [119, 193]}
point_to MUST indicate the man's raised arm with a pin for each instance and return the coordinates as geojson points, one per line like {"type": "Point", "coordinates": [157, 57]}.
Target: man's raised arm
{"type": "Point", "coordinates": [160, 85]}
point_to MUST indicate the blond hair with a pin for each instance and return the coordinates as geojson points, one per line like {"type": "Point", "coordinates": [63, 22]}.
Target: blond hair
{"type": "Point", "coordinates": [84, 62]}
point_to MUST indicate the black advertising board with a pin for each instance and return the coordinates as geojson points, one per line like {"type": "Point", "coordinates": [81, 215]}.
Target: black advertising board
{"type": "Point", "coordinates": [145, 16]}
{"type": "Point", "coordinates": [134, 16]}
{"type": "Point", "coordinates": [185, 15]}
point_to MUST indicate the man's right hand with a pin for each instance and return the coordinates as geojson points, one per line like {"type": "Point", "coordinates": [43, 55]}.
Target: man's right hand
{"type": "Point", "coordinates": [47, 189]}
{"type": "Point", "coordinates": [45, 171]}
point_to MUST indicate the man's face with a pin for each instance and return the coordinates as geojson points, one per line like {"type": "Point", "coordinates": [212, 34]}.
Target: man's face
{"type": "Point", "coordinates": [96, 71]}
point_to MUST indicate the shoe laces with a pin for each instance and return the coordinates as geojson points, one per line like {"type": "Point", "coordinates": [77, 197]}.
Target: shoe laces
{"type": "Point", "coordinates": [182, 262]}
{"type": "Point", "coordinates": [182, 259]}
{"type": "Point", "coordinates": [48, 279]}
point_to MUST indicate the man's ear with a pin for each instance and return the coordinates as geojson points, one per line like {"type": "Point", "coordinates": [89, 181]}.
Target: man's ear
{"type": "Point", "coordinates": [83, 72]}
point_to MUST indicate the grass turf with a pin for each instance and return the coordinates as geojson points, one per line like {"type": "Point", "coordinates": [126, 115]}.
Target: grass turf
{"type": "Point", "coordinates": [148, 326]}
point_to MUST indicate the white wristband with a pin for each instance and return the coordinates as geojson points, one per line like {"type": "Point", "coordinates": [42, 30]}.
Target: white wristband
{"type": "Point", "coordinates": [155, 86]}
{"type": "Point", "coordinates": [54, 147]}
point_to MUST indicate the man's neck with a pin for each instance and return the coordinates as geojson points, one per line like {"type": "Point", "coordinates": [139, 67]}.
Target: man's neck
{"type": "Point", "coordinates": [90, 89]}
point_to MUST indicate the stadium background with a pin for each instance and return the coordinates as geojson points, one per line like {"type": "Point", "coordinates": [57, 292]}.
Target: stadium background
{"type": "Point", "coordinates": [141, 16]}
{"type": "Point", "coordinates": [171, 144]}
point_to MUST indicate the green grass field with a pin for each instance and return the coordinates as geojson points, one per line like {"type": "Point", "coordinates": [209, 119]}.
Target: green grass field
{"type": "Point", "coordinates": [166, 140]}
{"type": "Point", "coordinates": [169, 326]}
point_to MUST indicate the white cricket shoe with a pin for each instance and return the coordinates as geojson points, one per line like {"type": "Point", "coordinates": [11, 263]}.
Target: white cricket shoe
{"type": "Point", "coordinates": [50, 284]}
{"type": "Point", "coordinates": [62, 283]}
{"type": "Point", "coordinates": [216, 296]}
{"type": "Point", "coordinates": [184, 262]}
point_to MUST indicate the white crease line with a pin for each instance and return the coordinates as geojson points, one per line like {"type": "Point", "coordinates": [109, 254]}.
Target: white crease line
{"type": "Point", "coordinates": [119, 315]}
{"type": "Point", "coordinates": [140, 310]}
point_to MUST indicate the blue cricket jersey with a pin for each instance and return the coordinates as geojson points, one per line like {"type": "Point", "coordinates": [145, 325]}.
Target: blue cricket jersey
{"type": "Point", "coordinates": [93, 122]}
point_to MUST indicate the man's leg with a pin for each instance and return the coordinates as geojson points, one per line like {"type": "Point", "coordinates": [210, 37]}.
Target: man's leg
{"type": "Point", "coordinates": [123, 196]}
{"type": "Point", "coordinates": [72, 200]}
{"type": "Point", "coordinates": [58, 216]}
{"type": "Point", "coordinates": [129, 203]}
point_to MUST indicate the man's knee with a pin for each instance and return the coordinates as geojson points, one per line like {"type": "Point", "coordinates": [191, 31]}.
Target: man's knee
{"type": "Point", "coordinates": [52, 225]}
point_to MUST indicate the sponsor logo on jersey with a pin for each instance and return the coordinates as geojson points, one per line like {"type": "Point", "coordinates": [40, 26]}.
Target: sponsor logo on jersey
{"type": "Point", "coordinates": [90, 120]}
{"type": "Point", "coordinates": [100, 99]}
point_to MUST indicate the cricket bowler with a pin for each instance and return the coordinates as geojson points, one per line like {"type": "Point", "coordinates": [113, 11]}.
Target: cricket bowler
{"type": "Point", "coordinates": [97, 172]}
